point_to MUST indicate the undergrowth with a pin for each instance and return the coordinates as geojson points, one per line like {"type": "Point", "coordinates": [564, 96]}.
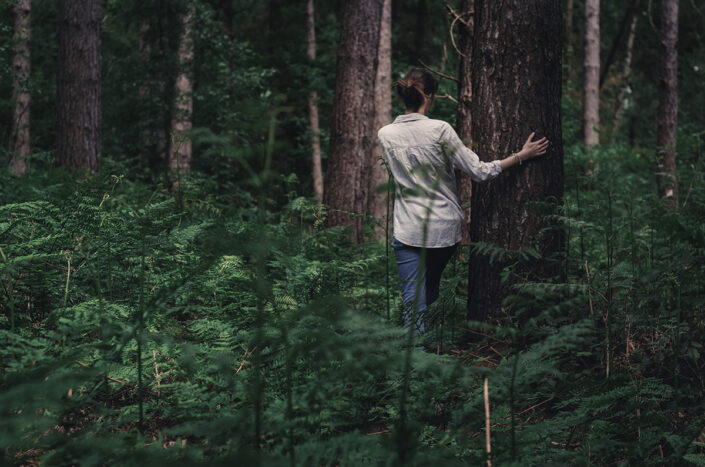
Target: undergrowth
{"type": "Point", "coordinates": [140, 325]}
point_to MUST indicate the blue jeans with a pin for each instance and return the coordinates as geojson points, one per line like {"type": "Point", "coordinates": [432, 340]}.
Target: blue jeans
{"type": "Point", "coordinates": [409, 266]}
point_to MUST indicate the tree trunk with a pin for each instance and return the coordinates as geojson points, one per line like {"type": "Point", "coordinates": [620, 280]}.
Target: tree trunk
{"type": "Point", "coordinates": [352, 135]}
{"type": "Point", "coordinates": [569, 40]}
{"type": "Point", "coordinates": [463, 117]}
{"type": "Point", "coordinates": [420, 36]}
{"type": "Point", "coordinates": [78, 102]}
{"type": "Point", "coordinates": [668, 99]}
{"type": "Point", "coordinates": [626, 20]}
{"type": "Point", "coordinates": [180, 150]}
{"type": "Point", "coordinates": [313, 109]}
{"type": "Point", "coordinates": [591, 115]}
{"type": "Point", "coordinates": [516, 90]}
{"type": "Point", "coordinates": [145, 50]}
{"type": "Point", "coordinates": [20, 88]}
{"type": "Point", "coordinates": [626, 72]}
{"type": "Point", "coordinates": [377, 205]}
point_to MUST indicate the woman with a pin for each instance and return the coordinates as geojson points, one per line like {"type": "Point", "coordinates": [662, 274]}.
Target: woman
{"type": "Point", "coordinates": [421, 153]}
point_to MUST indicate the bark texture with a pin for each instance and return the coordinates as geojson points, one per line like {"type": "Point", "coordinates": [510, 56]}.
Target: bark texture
{"type": "Point", "coordinates": [463, 117]}
{"type": "Point", "coordinates": [78, 98]}
{"type": "Point", "coordinates": [516, 90]}
{"type": "Point", "coordinates": [352, 131]}
{"type": "Point", "coordinates": [317, 172]}
{"type": "Point", "coordinates": [377, 203]}
{"type": "Point", "coordinates": [591, 91]}
{"type": "Point", "coordinates": [21, 68]}
{"type": "Point", "coordinates": [668, 99]}
{"type": "Point", "coordinates": [180, 149]}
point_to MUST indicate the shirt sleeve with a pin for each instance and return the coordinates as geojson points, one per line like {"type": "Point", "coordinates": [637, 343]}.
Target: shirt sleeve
{"type": "Point", "coordinates": [464, 158]}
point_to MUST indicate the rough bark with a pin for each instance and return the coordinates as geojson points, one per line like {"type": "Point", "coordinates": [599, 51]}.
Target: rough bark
{"type": "Point", "coordinates": [377, 204]}
{"type": "Point", "coordinates": [626, 72]}
{"type": "Point", "coordinates": [78, 98]}
{"type": "Point", "coordinates": [352, 135]}
{"type": "Point", "coordinates": [22, 97]}
{"type": "Point", "coordinates": [317, 172]}
{"type": "Point", "coordinates": [516, 89]}
{"type": "Point", "coordinates": [463, 116]}
{"type": "Point", "coordinates": [668, 99]}
{"type": "Point", "coordinates": [180, 149]}
{"type": "Point", "coordinates": [591, 91]}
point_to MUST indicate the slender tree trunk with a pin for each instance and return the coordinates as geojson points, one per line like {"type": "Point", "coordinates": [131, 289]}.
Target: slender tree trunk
{"type": "Point", "coordinates": [463, 117]}
{"type": "Point", "coordinates": [78, 99]}
{"type": "Point", "coordinates": [313, 109]}
{"type": "Point", "coordinates": [420, 36]}
{"type": "Point", "coordinates": [20, 88]}
{"type": "Point", "coordinates": [626, 72]}
{"type": "Point", "coordinates": [516, 89]}
{"type": "Point", "coordinates": [226, 7]}
{"type": "Point", "coordinates": [668, 99]}
{"type": "Point", "coordinates": [623, 24]}
{"type": "Point", "coordinates": [143, 91]}
{"type": "Point", "coordinates": [569, 40]}
{"type": "Point", "coordinates": [591, 115]}
{"type": "Point", "coordinates": [180, 149]}
{"type": "Point", "coordinates": [352, 132]}
{"type": "Point", "coordinates": [377, 204]}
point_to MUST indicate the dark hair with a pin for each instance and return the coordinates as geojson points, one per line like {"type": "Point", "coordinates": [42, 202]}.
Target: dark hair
{"type": "Point", "coordinates": [417, 85]}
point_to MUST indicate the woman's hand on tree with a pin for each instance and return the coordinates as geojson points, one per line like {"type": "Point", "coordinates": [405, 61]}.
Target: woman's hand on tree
{"type": "Point", "coordinates": [532, 149]}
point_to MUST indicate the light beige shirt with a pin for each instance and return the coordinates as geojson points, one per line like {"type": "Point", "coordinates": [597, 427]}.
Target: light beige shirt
{"type": "Point", "coordinates": [421, 153]}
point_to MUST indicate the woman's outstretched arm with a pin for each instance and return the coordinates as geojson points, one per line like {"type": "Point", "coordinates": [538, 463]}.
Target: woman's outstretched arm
{"type": "Point", "coordinates": [530, 150]}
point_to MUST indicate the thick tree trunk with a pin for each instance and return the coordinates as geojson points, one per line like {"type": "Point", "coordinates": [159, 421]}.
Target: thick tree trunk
{"type": "Point", "coordinates": [20, 69]}
{"type": "Point", "coordinates": [352, 132]}
{"type": "Point", "coordinates": [463, 117]}
{"type": "Point", "coordinates": [516, 90]}
{"type": "Point", "coordinates": [317, 172]}
{"type": "Point", "coordinates": [626, 72]}
{"type": "Point", "coordinates": [180, 149]}
{"type": "Point", "coordinates": [668, 99]}
{"type": "Point", "coordinates": [591, 113]}
{"type": "Point", "coordinates": [377, 204]}
{"type": "Point", "coordinates": [78, 83]}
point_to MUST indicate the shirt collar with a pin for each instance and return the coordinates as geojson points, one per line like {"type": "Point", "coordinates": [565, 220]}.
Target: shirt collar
{"type": "Point", "coordinates": [410, 117]}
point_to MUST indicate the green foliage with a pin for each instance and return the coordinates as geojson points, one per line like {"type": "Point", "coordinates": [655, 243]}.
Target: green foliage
{"type": "Point", "coordinates": [221, 323]}
{"type": "Point", "coordinates": [140, 326]}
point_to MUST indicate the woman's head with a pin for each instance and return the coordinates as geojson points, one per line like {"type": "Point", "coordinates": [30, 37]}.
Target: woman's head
{"type": "Point", "coordinates": [416, 88]}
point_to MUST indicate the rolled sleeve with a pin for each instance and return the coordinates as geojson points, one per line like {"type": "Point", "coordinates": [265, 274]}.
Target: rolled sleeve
{"type": "Point", "coordinates": [465, 159]}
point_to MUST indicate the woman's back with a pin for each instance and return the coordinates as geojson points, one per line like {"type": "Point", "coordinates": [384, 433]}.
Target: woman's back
{"type": "Point", "coordinates": [421, 153]}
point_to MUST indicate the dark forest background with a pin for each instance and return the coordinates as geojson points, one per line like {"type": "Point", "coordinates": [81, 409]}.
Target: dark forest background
{"type": "Point", "coordinates": [173, 289]}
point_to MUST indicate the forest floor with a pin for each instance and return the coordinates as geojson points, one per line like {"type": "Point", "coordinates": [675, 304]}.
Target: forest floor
{"type": "Point", "coordinates": [142, 325]}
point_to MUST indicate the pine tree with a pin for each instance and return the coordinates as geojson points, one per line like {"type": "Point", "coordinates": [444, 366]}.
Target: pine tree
{"type": "Point", "coordinates": [377, 205]}
{"type": "Point", "coordinates": [78, 84]}
{"type": "Point", "coordinates": [22, 97]}
{"type": "Point", "coordinates": [352, 132]}
{"type": "Point", "coordinates": [516, 89]}
{"type": "Point", "coordinates": [591, 89]}
{"type": "Point", "coordinates": [668, 99]}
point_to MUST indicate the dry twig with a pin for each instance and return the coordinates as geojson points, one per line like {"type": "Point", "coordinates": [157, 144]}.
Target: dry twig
{"type": "Point", "coordinates": [453, 78]}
